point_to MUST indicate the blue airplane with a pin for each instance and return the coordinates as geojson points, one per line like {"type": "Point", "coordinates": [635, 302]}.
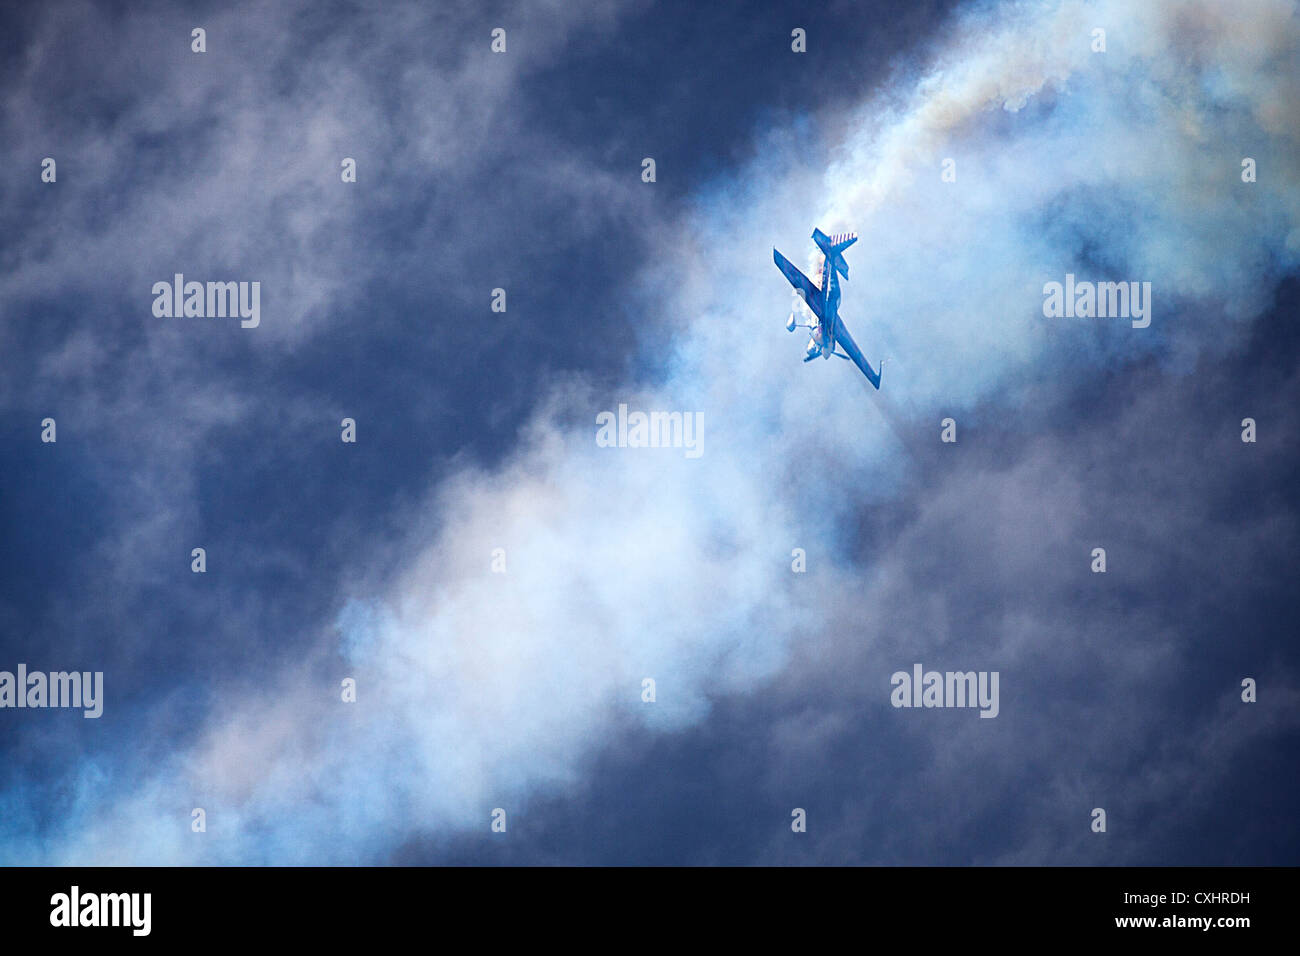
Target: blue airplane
{"type": "Point", "coordinates": [829, 331]}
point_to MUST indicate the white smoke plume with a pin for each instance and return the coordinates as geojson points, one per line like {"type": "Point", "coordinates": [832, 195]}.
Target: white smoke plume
{"type": "Point", "coordinates": [478, 689]}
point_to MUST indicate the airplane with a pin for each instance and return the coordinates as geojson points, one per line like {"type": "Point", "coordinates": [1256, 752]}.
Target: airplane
{"type": "Point", "coordinates": [829, 330]}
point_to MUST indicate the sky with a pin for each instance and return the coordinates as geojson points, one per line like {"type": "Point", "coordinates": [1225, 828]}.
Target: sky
{"type": "Point", "coordinates": [496, 585]}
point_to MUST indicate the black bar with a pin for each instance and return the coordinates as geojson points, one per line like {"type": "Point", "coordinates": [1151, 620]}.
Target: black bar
{"type": "Point", "coordinates": [638, 906]}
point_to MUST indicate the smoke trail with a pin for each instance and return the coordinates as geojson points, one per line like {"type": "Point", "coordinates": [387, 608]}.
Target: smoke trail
{"type": "Point", "coordinates": [477, 689]}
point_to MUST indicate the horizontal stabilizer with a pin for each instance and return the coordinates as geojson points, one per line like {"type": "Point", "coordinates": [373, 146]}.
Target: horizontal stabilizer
{"type": "Point", "coordinates": [833, 248]}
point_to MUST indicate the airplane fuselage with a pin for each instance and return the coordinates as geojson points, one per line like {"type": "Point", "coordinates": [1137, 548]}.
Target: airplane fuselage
{"type": "Point", "coordinates": [830, 307]}
{"type": "Point", "coordinates": [822, 340]}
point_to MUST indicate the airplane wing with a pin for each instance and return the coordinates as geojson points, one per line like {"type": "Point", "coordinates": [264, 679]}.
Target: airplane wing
{"type": "Point", "coordinates": [811, 294]}
{"type": "Point", "coordinates": [845, 341]}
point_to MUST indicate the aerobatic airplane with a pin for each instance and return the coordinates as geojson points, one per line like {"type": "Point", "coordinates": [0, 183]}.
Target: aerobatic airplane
{"type": "Point", "coordinates": [829, 331]}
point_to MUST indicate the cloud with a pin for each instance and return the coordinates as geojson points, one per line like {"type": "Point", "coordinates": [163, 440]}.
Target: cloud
{"type": "Point", "coordinates": [225, 165]}
{"type": "Point", "coordinates": [480, 690]}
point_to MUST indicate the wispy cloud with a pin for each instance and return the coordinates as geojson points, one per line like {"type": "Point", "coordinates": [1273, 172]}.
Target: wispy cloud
{"type": "Point", "coordinates": [477, 690]}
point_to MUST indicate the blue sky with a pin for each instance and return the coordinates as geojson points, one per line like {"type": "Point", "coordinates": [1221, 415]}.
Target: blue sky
{"type": "Point", "coordinates": [522, 170]}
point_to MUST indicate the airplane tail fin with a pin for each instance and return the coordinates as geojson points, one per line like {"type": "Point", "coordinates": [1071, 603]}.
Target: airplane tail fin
{"type": "Point", "coordinates": [834, 246]}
